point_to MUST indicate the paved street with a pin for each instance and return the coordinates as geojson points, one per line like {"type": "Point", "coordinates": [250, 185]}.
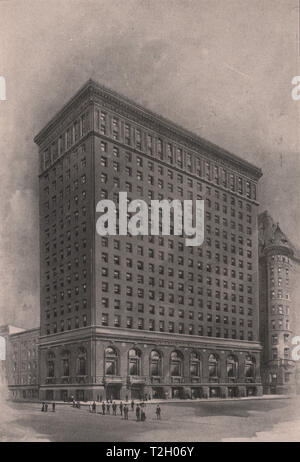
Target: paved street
{"type": "Point", "coordinates": [251, 420]}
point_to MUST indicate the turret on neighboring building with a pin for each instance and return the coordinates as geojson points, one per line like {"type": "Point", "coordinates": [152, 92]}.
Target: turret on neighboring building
{"type": "Point", "coordinates": [279, 268]}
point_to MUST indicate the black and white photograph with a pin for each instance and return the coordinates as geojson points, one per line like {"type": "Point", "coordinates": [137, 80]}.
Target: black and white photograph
{"type": "Point", "coordinates": [150, 223]}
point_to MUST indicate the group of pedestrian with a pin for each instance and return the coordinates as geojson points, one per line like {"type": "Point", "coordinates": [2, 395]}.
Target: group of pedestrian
{"type": "Point", "coordinates": [124, 409]}
{"type": "Point", "coordinates": [92, 407]}
{"type": "Point", "coordinates": [45, 407]}
{"type": "Point", "coordinates": [106, 406]}
{"type": "Point", "coordinates": [140, 413]}
{"type": "Point", "coordinates": [76, 404]}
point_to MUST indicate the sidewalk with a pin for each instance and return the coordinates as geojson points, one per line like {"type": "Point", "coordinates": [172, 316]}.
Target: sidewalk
{"type": "Point", "coordinates": [197, 400]}
{"type": "Point", "coordinates": [171, 401]}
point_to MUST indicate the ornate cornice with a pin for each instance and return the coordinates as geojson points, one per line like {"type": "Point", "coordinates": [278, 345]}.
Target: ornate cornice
{"type": "Point", "coordinates": [131, 336]}
{"type": "Point", "coordinates": [94, 92]}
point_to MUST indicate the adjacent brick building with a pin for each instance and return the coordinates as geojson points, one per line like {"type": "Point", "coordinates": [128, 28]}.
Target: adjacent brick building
{"type": "Point", "coordinates": [19, 367]}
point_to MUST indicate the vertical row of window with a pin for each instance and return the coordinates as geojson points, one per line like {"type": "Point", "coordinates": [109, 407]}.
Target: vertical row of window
{"type": "Point", "coordinates": [65, 238]}
{"type": "Point", "coordinates": [66, 140]}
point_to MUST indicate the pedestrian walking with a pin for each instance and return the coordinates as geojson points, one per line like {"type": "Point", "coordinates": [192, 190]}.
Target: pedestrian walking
{"type": "Point", "coordinates": [94, 407]}
{"type": "Point", "coordinates": [143, 415]}
{"type": "Point", "coordinates": [114, 408]}
{"type": "Point", "coordinates": [158, 412]}
{"type": "Point", "coordinates": [46, 407]}
{"type": "Point", "coordinates": [43, 407]}
{"type": "Point", "coordinates": [53, 407]}
{"type": "Point", "coordinates": [108, 407]}
{"type": "Point", "coordinates": [103, 408]}
{"type": "Point", "coordinates": [121, 408]}
{"type": "Point", "coordinates": [132, 405]}
{"type": "Point", "coordinates": [90, 408]}
{"type": "Point", "coordinates": [138, 412]}
{"type": "Point", "coordinates": [126, 412]}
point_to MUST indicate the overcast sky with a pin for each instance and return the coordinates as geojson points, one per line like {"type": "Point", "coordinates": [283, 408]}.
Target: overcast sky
{"type": "Point", "coordinates": [221, 68]}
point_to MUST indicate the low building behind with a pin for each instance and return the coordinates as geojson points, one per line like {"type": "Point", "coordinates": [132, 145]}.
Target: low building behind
{"type": "Point", "coordinates": [19, 366]}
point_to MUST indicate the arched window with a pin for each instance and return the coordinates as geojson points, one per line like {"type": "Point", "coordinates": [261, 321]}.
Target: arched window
{"type": "Point", "coordinates": [213, 363]}
{"type": "Point", "coordinates": [81, 362]}
{"type": "Point", "coordinates": [111, 361]}
{"type": "Point", "coordinates": [249, 366]}
{"type": "Point", "coordinates": [195, 365]}
{"type": "Point", "coordinates": [65, 363]}
{"type": "Point", "coordinates": [232, 366]}
{"type": "Point", "coordinates": [51, 364]}
{"type": "Point", "coordinates": [155, 364]}
{"type": "Point", "coordinates": [176, 368]}
{"type": "Point", "coordinates": [134, 362]}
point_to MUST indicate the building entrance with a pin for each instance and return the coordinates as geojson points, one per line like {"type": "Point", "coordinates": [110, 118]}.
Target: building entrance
{"type": "Point", "coordinates": [233, 392]}
{"type": "Point", "coordinates": [214, 392]}
{"type": "Point", "coordinates": [137, 392]}
{"type": "Point", "coordinates": [158, 393]}
{"type": "Point", "coordinates": [251, 391]}
{"type": "Point", "coordinates": [196, 392]}
{"type": "Point", "coordinates": [49, 395]}
{"type": "Point", "coordinates": [112, 392]}
{"type": "Point", "coordinates": [178, 393]}
{"type": "Point", "coordinates": [79, 395]}
{"type": "Point", "coordinates": [64, 395]}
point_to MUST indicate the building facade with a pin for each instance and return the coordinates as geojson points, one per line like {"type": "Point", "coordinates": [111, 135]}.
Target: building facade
{"type": "Point", "coordinates": [279, 315]}
{"type": "Point", "coordinates": [134, 315]}
{"type": "Point", "coordinates": [20, 366]}
{"type": "Point", "coordinates": [129, 316]}
{"type": "Point", "coordinates": [5, 332]}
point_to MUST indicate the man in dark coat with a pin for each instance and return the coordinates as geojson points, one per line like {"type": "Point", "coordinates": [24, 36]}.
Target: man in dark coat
{"type": "Point", "coordinates": [108, 407]}
{"type": "Point", "coordinates": [103, 408]}
{"type": "Point", "coordinates": [121, 408]}
{"type": "Point", "coordinates": [138, 412]}
{"type": "Point", "coordinates": [158, 412]}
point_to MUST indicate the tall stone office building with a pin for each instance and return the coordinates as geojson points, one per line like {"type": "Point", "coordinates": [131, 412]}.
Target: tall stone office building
{"type": "Point", "coordinates": [125, 316]}
{"type": "Point", "coordinates": [279, 269]}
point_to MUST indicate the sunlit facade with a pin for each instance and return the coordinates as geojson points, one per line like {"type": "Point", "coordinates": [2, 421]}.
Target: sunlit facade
{"type": "Point", "coordinates": [125, 316]}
